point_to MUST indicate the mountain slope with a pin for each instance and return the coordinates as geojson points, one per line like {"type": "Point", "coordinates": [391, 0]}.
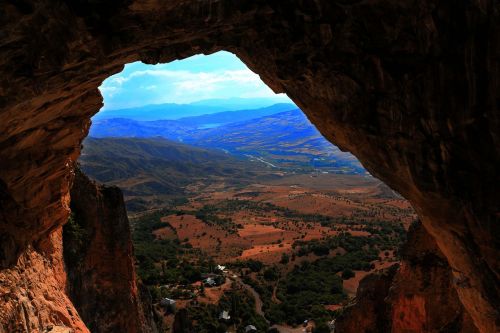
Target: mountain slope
{"type": "Point", "coordinates": [159, 167]}
{"type": "Point", "coordinates": [286, 139]}
{"type": "Point", "coordinates": [280, 139]}
{"type": "Point", "coordinates": [178, 129]}
{"type": "Point", "coordinates": [235, 116]}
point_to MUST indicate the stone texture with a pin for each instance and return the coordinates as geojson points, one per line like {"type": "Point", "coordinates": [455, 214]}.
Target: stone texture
{"type": "Point", "coordinates": [414, 296]}
{"type": "Point", "coordinates": [422, 296]}
{"type": "Point", "coordinates": [409, 87]}
{"type": "Point", "coordinates": [32, 293]}
{"type": "Point", "coordinates": [101, 281]}
{"type": "Point", "coordinates": [370, 313]}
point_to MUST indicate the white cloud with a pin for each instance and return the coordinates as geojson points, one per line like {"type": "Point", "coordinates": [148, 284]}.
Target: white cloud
{"type": "Point", "coordinates": [108, 91]}
{"type": "Point", "coordinates": [142, 84]}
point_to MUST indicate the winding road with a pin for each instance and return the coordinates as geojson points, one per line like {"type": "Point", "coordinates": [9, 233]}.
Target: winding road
{"type": "Point", "coordinates": [259, 304]}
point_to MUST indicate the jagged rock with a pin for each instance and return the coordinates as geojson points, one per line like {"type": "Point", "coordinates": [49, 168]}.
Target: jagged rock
{"type": "Point", "coordinates": [414, 296]}
{"type": "Point", "coordinates": [409, 87]}
{"type": "Point", "coordinates": [99, 261]}
{"type": "Point", "coordinates": [32, 293]}
{"type": "Point", "coordinates": [370, 313]}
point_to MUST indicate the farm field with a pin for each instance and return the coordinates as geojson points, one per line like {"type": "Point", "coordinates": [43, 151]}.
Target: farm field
{"type": "Point", "coordinates": [269, 236]}
{"type": "Point", "coordinates": [266, 219]}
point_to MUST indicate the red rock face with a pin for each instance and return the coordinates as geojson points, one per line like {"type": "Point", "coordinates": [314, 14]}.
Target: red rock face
{"type": "Point", "coordinates": [371, 312]}
{"type": "Point", "coordinates": [422, 296]}
{"type": "Point", "coordinates": [101, 277]}
{"type": "Point", "coordinates": [417, 296]}
{"type": "Point", "coordinates": [409, 87]}
{"type": "Point", "coordinates": [33, 292]}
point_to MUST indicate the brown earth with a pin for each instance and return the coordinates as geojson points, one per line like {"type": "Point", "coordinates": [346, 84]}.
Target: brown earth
{"type": "Point", "coordinates": [215, 241]}
{"type": "Point", "coordinates": [265, 236]}
{"type": "Point", "coordinates": [411, 88]}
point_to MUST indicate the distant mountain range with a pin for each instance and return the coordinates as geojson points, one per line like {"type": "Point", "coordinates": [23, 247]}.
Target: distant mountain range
{"type": "Point", "coordinates": [175, 111]}
{"type": "Point", "coordinates": [177, 129]}
{"type": "Point", "coordinates": [279, 136]}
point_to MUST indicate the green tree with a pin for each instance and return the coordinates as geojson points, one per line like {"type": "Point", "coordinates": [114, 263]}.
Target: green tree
{"type": "Point", "coordinates": [285, 259]}
{"type": "Point", "coordinates": [347, 274]}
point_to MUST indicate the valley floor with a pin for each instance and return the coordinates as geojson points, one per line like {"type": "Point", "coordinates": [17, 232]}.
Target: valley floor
{"type": "Point", "coordinates": [270, 236]}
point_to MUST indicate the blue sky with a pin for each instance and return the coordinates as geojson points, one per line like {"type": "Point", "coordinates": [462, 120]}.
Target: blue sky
{"type": "Point", "coordinates": [219, 75]}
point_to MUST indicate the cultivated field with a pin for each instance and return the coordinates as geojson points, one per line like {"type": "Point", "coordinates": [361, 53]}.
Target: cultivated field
{"type": "Point", "coordinates": [262, 227]}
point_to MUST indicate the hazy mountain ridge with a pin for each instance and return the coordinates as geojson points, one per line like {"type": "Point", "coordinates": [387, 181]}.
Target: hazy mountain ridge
{"type": "Point", "coordinates": [172, 111]}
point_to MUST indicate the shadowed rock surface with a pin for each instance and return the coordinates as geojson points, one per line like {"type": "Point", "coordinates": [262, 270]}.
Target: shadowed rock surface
{"type": "Point", "coordinates": [411, 88]}
{"type": "Point", "coordinates": [99, 261]}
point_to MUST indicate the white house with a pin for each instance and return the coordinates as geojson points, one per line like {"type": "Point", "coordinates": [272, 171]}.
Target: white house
{"type": "Point", "coordinates": [224, 315]}
{"type": "Point", "coordinates": [209, 282]}
{"type": "Point", "coordinates": [250, 329]}
{"type": "Point", "coordinates": [331, 325]}
{"type": "Point", "coordinates": [168, 304]}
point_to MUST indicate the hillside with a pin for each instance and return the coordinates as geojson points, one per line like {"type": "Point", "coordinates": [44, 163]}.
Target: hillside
{"type": "Point", "coordinates": [286, 140]}
{"type": "Point", "coordinates": [228, 117]}
{"type": "Point", "coordinates": [156, 168]}
{"type": "Point", "coordinates": [276, 136]}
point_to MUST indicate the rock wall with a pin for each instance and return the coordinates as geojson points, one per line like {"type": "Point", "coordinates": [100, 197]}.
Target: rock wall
{"type": "Point", "coordinates": [417, 296]}
{"type": "Point", "coordinates": [370, 313]}
{"type": "Point", "coordinates": [33, 292]}
{"type": "Point", "coordinates": [409, 87]}
{"type": "Point", "coordinates": [99, 261]}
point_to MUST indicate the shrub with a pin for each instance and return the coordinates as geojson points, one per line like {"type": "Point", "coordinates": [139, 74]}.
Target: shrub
{"type": "Point", "coordinates": [284, 259]}
{"type": "Point", "coordinates": [347, 274]}
{"type": "Point", "coordinates": [75, 240]}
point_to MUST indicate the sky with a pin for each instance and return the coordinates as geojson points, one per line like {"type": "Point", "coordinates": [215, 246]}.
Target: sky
{"type": "Point", "coordinates": [217, 76]}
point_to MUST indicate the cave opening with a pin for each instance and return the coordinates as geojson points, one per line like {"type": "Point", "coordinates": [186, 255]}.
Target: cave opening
{"type": "Point", "coordinates": [409, 87]}
{"type": "Point", "coordinates": [232, 192]}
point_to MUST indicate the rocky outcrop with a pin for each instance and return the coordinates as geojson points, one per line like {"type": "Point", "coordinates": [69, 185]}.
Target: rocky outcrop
{"type": "Point", "coordinates": [99, 261]}
{"type": "Point", "coordinates": [81, 278]}
{"type": "Point", "coordinates": [370, 313]}
{"type": "Point", "coordinates": [417, 296]}
{"type": "Point", "coordinates": [422, 296]}
{"type": "Point", "coordinates": [409, 87]}
{"type": "Point", "coordinates": [33, 292]}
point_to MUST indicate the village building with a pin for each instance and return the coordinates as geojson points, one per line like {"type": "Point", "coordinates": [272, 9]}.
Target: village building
{"type": "Point", "coordinates": [224, 315]}
{"type": "Point", "coordinates": [168, 304]}
{"type": "Point", "coordinates": [250, 329]}
{"type": "Point", "coordinates": [331, 325]}
{"type": "Point", "coordinates": [210, 282]}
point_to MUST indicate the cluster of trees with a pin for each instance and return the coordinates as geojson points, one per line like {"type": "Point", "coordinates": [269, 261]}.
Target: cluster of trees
{"type": "Point", "coordinates": [159, 260]}
{"type": "Point", "coordinates": [208, 214]}
{"type": "Point", "coordinates": [75, 238]}
{"type": "Point", "coordinates": [385, 236]}
{"type": "Point", "coordinates": [303, 294]}
{"type": "Point", "coordinates": [251, 264]}
{"type": "Point", "coordinates": [241, 307]}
